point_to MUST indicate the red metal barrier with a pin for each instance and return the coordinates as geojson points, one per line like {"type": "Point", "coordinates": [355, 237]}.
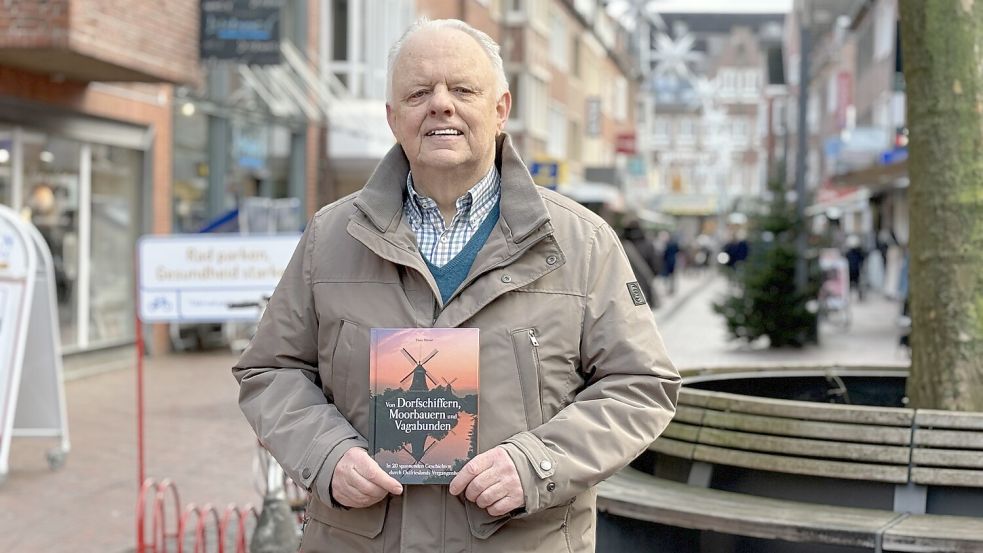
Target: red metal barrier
{"type": "Point", "coordinates": [203, 517]}
{"type": "Point", "coordinates": [241, 514]}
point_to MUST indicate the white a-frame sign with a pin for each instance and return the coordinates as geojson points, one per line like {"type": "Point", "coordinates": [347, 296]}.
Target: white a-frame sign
{"type": "Point", "coordinates": [32, 394]}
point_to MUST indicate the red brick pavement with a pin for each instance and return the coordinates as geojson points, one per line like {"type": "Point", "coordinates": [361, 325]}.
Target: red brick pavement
{"type": "Point", "coordinates": [195, 435]}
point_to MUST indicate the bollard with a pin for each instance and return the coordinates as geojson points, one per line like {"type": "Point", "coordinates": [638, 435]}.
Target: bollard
{"type": "Point", "coordinates": [276, 530]}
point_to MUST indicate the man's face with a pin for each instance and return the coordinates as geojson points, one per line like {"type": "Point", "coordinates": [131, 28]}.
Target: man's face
{"type": "Point", "coordinates": [444, 110]}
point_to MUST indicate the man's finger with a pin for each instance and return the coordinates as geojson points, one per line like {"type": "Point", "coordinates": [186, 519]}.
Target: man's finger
{"type": "Point", "coordinates": [473, 468]}
{"type": "Point", "coordinates": [480, 483]}
{"type": "Point", "coordinates": [503, 506]}
{"type": "Point", "coordinates": [374, 474]}
{"type": "Point", "coordinates": [365, 486]}
{"type": "Point", "coordinates": [490, 495]}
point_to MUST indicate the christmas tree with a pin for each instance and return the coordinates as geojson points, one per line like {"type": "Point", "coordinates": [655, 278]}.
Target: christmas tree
{"type": "Point", "coordinates": [762, 300]}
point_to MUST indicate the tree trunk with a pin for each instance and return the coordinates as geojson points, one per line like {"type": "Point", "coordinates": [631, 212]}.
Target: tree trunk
{"type": "Point", "coordinates": [943, 67]}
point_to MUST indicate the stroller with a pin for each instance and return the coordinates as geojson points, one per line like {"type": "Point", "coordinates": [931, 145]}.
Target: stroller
{"type": "Point", "coordinates": [834, 293]}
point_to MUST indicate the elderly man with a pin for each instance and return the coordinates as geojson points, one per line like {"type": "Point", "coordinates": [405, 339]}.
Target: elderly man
{"type": "Point", "coordinates": [450, 231]}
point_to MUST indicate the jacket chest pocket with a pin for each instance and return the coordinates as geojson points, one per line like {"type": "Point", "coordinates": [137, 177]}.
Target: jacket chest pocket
{"type": "Point", "coordinates": [350, 374]}
{"type": "Point", "coordinates": [526, 347]}
{"type": "Point", "coordinates": [548, 384]}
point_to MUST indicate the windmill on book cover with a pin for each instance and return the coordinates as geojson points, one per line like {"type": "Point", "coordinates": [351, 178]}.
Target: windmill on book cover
{"type": "Point", "coordinates": [419, 372]}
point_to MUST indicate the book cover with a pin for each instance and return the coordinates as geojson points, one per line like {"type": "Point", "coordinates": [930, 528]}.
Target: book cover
{"type": "Point", "coordinates": [424, 397]}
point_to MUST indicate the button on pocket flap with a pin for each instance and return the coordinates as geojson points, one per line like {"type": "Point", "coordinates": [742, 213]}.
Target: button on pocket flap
{"type": "Point", "coordinates": [365, 522]}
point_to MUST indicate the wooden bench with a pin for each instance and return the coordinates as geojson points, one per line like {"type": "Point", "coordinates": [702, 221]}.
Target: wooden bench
{"type": "Point", "coordinates": [640, 496]}
{"type": "Point", "coordinates": [793, 437]}
{"type": "Point", "coordinates": [903, 453]}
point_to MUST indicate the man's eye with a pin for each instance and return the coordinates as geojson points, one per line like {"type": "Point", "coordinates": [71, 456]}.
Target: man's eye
{"type": "Point", "coordinates": [418, 94]}
{"type": "Point", "coordinates": [463, 90]}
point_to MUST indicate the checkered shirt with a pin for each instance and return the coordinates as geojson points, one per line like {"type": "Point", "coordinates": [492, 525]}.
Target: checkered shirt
{"type": "Point", "coordinates": [437, 242]}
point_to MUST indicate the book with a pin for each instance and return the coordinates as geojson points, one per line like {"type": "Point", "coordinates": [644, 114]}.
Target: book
{"type": "Point", "coordinates": [424, 402]}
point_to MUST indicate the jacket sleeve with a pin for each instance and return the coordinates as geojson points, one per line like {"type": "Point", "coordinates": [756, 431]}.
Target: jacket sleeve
{"type": "Point", "coordinates": [279, 390]}
{"type": "Point", "coordinates": [629, 396]}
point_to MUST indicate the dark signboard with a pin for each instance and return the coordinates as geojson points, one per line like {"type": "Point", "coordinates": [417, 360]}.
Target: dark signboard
{"type": "Point", "coordinates": [247, 31]}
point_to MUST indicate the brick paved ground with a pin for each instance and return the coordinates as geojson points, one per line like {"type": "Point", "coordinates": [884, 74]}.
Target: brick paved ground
{"type": "Point", "coordinates": [197, 437]}
{"type": "Point", "coordinates": [696, 336]}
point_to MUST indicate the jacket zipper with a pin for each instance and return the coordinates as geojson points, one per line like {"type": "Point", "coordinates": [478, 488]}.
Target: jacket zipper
{"type": "Point", "coordinates": [532, 338]}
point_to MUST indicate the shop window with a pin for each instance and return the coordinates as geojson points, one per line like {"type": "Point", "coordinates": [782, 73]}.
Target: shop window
{"type": "Point", "coordinates": [51, 202]}
{"type": "Point", "coordinates": [116, 177]}
{"type": "Point", "coordinates": [6, 165]}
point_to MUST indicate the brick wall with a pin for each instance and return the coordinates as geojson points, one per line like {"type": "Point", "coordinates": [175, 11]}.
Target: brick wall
{"type": "Point", "coordinates": [156, 38]}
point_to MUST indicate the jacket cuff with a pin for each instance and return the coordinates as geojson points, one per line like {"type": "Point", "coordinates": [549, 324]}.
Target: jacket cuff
{"type": "Point", "coordinates": [536, 466]}
{"type": "Point", "coordinates": [322, 481]}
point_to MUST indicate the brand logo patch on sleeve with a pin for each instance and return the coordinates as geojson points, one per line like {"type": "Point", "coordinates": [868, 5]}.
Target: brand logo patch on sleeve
{"type": "Point", "coordinates": [635, 291]}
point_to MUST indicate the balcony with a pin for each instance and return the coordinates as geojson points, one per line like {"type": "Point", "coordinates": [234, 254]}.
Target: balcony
{"type": "Point", "coordinates": [95, 40]}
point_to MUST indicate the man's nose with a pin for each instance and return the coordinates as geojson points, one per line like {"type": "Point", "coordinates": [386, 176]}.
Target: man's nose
{"type": "Point", "coordinates": [441, 103]}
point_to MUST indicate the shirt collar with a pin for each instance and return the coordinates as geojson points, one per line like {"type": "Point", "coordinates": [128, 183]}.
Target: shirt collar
{"type": "Point", "coordinates": [474, 204]}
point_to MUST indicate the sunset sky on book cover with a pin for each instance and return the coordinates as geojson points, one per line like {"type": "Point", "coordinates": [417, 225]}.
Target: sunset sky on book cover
{"type": "Point", "coordinates": [425, 401]}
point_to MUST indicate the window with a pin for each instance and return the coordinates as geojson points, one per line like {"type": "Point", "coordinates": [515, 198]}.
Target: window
{"type": "Point", "coordinates": [556, 142]}
{"type": "Point", "coordinates": [339, 30]}
{"type": "Point", "coordinates": [536, 105]}
{"type": "Point", "coordinates": [686, 129]}
{"type": "Point", "coordinates": [661, 130]}
{"type": "Point", "coordinates": [515, 85]}
{"type": "Point", "coordinates": [620, 98]}
{"type": "Point", "coordinates": [575, 149]}
{"type": "Point", "coordinates": [740, 132]}
{"type": "Point", "coordinates": [575, 56]}
{"type": "Point", "coordinates": [884, 26]}
{"type": "Point", "coordinates": [727, 81]}
{"type": "Point", "coordinates": [52, 166]}
{"type": "Point", "coordinates": [116, 177]}
{"type": "Point", "coordinates": [812, 116]}
{"type": "Point", "coordinates": [6, 165]}
{"type": "Point", "coordinates": [751, 81]}
{"type": "Point", "coordinates": [558, 42]}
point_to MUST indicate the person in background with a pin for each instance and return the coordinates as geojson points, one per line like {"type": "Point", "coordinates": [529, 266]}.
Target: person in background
{"type": "Point", "coordinates": [855, 262]}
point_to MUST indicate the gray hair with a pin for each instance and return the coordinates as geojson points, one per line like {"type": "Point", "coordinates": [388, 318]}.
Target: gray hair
{"type": "Point", "coordinates": [490, 47]}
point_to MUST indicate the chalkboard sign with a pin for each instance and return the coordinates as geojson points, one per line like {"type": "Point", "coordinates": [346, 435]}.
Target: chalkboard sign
{"type": "Point", "coordinates": [246, 31]}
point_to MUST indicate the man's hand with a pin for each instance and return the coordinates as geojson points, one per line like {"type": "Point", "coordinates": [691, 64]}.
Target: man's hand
{"type": "Point", "coordinates": [359, 481]}
{"type": "Point", "coordinates": [491, 482]}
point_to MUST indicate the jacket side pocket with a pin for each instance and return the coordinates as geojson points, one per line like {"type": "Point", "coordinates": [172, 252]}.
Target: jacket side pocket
{"type": "Point", "coordinates": [366, 522]}
{"type": "Point", "coordinates": [340, 365]}
{"type": "Point", "coordinates": [526, 347]}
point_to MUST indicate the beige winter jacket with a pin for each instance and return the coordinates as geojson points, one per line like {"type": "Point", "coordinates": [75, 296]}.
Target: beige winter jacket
{"type": "Point", "coordinates": [574, 378]}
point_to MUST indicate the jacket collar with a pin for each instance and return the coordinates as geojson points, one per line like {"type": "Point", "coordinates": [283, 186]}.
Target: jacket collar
{"type": "Point", "coordinates": [523, 210]}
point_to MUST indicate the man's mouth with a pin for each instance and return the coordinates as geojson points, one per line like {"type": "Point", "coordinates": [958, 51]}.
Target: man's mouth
{"type": "Point", "coordinates": [444, 132]}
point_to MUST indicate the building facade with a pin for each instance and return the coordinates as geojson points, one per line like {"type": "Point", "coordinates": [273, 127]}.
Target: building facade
{"type": "Point", "coordinates": [111, 127]}
{"type": "Point", "coordinates": [86, 161]}
{"type": "Point", "coordinates": [706, 137]}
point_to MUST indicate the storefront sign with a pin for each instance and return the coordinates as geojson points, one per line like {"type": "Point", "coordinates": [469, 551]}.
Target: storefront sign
{"type": "Point", "coordinates": [246, 31]}
{"type": "Point", "coordinates": [547, 172]}
{"type": "Point", "coordinates": [201, 278]}
{"type": "Point", "coordinates": [625, 143]}
{"type": "Point", "coordinates": [30, 350]}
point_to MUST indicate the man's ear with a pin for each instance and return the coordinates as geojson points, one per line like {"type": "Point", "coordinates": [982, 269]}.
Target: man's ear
{"type": "Point", "coordinates": [503, 108]}
{"type": "Point", "coordinates": [391, 119]}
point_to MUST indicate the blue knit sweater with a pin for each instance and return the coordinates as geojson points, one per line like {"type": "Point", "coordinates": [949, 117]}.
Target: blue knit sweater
{"type": "Point", "coordinates": [451, 275]}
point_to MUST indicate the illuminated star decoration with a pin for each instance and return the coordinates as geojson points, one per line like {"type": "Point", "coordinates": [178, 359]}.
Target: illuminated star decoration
{"type": "Point", "coordinates": [672, 57]}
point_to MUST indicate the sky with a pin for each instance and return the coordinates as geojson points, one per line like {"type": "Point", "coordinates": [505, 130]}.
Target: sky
{"type": "Point", "coordinates": [722, 6]}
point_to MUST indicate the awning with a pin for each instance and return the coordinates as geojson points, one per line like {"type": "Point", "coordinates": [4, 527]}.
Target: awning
{"type": "Point", "coordinates": [877, 178]}
{"type": "Point", "coordinates": [850, 202]}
